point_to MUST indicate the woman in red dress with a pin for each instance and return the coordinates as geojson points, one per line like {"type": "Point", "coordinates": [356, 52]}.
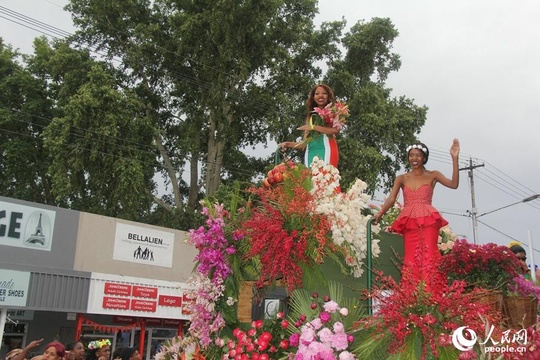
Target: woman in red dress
{"type": "Point", "coordinates": [419, 222]}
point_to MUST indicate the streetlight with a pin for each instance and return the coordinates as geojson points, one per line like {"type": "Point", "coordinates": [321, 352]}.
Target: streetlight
{"type": "Point", "coordinates": [527, 199]}
{"type": "Point", "coordinates": [475, 217]}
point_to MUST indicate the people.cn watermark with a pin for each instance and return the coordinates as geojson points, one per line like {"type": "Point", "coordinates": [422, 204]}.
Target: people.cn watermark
{"type": "Point", "coordinates": [511, 341]}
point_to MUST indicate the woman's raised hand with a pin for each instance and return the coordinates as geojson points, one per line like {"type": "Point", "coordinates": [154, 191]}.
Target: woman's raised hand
{"type": "Point", "coordinates": [454, 150]}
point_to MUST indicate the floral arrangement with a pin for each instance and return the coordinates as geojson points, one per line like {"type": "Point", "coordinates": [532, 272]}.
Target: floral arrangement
{"type": "Point", "coordinates": [215, 244]}
{"type": "Point", "coordinates": [344, 211]}
{"type": "Point", "coordinates": [264, 340]}
{"type": "Point", "coordinates": [285, 232]}
{"type": "Point", "coordinates": [281, 233]}
{"type": "Point", "coordinates": [98, 344]}
{"type": "Point", "coordinates": [306, 219]}
{"type": "Point", "coordinates": [489, 266]}
{"type": "Point", "coordinates": [334, 114]}
{"type": "Point", "coordinates": [323, 326]}
{"type": "Point", "coordinates": [418, 324]}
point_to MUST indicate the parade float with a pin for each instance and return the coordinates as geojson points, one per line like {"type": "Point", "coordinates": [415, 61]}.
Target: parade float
{"type": "Point", "coordinates": [281, 274]}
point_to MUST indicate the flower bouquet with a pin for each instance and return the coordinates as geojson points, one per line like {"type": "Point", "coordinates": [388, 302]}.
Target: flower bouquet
{"type": "Point", "coordinates": [446, 239]}
{"type": "Point", "coordinates": [334, 114]}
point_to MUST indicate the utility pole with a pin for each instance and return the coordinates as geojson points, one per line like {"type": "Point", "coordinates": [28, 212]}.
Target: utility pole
{"type": "Point", "coordinates": [474, 211]}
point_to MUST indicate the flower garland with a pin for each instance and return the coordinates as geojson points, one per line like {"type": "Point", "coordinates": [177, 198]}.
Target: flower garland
{"type": "Point", "coordinates": [208, 320]}
{"type": "Point", "coordinates": [98, 344]}
{"type": "Point", "coordinates": [344, 211]}
{"type": "Point", "coordinates": [207, 284]}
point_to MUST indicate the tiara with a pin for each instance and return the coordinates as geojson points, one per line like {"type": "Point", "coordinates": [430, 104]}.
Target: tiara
{"type": "Point", "coordinates": [98, 344]}
{"type": "Point", "coordinates": [416, 146]}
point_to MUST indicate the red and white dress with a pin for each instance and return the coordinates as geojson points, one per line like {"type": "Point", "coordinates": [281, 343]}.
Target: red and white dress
{"type": "Point", "coordinates": [419, 223]}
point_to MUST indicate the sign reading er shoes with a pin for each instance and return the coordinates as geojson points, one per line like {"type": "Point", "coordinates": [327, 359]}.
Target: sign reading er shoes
{"type": "Point", "coordinates": [13, 287]}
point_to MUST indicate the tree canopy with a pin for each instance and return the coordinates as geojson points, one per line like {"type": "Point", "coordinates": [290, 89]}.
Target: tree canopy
{"type": "Point", "coordinates": [179, 92]}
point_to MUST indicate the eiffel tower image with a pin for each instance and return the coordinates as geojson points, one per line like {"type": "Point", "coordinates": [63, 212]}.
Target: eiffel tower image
{"type": "Point", "coordinates": [37, 237]}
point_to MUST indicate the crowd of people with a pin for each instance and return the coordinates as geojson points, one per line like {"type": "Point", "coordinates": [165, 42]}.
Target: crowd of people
{"type": "Point", "coordinates": [55, 350]}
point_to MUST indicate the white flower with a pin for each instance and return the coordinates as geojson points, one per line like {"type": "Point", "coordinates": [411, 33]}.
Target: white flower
{"type": "Point", "coordinates": [344, 210]}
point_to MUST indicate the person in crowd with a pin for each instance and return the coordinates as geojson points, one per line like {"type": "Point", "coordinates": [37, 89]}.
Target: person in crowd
{"type": "Point", "coordinates": [521, 254]}
{"type": "Point", "coordinates": [419, 222]}
{"type": "Point", "coordinates": [12, 355]}
{"type": "Point", "coordinates": [53, 351]}
{"type": "Point", "coordinates": [99, 350]}
{"type": "Point", "coordinates": [75, 351]}
{"type": "Point", "coordinates": [126, 353]}
{"type": "Point", "coordinates": [319, 138]}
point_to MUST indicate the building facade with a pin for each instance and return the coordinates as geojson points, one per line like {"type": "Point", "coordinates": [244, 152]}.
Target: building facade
{"type": "Point", "coordinates": [66, 275]}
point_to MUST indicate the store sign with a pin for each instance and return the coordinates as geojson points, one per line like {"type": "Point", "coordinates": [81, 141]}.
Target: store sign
{"type": "Point", "coordinates": [117, 289]}
{"type": "Point", "coordinates": [13, 287]}
{"type": "Point", "coordinates": [145, 292]}
{"type": "Point", "coordinates": [128, 297]}
{"type": "Point", "coordinates": [165, 300]}
{"type": "Point", "coordinates": [142, 245]}
{"type": "Point", "coordinates": [25, 226]}
{"type": "Point", "coordinates": [20, 314]}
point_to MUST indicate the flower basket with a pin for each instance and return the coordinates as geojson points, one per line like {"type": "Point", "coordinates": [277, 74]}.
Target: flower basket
{"type": "Point", "coordinates": [493, 298]}
{"type": "Point", "coordinates": [520, 311]}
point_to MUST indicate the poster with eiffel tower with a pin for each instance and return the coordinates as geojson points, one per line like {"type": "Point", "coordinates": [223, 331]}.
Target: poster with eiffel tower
{"type": "Point", "coordinates": [26, 226]}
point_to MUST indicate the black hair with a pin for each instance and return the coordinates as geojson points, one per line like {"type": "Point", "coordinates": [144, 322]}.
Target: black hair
{"type": "Point", "coordinates": [72, 345]}
{"type": "Point", "coordinates": [516, 249]}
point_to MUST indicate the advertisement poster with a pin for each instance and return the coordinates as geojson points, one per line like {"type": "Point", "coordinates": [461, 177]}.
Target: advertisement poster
{"type": "Point", "coordinates": [142, 245]}
{"type": "Point", "coordinates": [25, 226]}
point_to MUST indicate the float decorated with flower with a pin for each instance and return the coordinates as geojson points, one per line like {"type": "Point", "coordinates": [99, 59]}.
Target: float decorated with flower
{"type": "Point", "coordinates": [283, 236]}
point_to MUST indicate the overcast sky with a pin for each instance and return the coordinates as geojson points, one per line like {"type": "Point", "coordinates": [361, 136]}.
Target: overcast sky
{"type": "Point", "coordinates": [473, 63]}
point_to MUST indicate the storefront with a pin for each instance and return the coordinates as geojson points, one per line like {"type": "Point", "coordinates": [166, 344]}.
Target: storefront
{"type": "Point", "coordinates": [66, 275]}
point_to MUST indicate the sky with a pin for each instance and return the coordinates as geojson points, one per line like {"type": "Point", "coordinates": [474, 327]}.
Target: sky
{"type": "Point", "coordinates": [474, 64]}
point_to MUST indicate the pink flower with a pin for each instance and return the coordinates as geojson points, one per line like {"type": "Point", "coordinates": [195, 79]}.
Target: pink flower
{"type": "Point", "coordinates": [316, 323]}
{"type": "Point", "coordinates": [338, 327]}
{"type": "Point", "coordinates": [294, 339]}
{"type": "Point", "coordinates": [331, 306]}
{"type": "Point", "coordinates": [324, 316]}
{"type": "Point", "coordinates": [339, 341]}
{"type": "Point", "coordinates": [344, 311]}
{"type": "Point", "coordinates": [307, 335]}
{"type": "Point", "coordinates": [325, 335]}
{"type": "Point", "coordinates": [345, 355]}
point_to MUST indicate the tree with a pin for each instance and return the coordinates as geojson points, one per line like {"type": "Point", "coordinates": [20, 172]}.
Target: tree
{"type": "Point", "coordinates": [180, 88]}
{"type": "Point", "coordinates": [24, 113]}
